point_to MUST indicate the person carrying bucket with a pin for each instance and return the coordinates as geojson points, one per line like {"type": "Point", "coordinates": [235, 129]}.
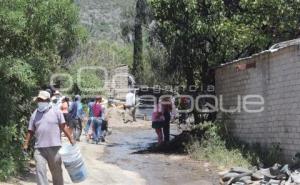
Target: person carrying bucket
{"type": "Point", "coordinates": [47, 144]}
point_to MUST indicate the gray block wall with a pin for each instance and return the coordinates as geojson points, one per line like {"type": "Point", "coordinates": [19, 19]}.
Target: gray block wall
{"type": "Point", "coordinates": [117, 84]}
{"type": "Point", "coordinates": [276, 77]}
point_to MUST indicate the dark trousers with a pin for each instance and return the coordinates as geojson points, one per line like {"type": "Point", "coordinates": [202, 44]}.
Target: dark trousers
{"type": "Point", "coordinates": [104, 125]}
{"type": "Point", "coordinates": [77, 128]}
{"type": "Point", "coordinates": [166, 128]}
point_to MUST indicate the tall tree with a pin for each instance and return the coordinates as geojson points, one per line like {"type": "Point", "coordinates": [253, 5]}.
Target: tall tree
{"type": "Point", "coordinates": [140, 19]}
{"type": "Point", "coordinates": [199, 34]}
{"type": "Point", "coordinates": [34, 36]}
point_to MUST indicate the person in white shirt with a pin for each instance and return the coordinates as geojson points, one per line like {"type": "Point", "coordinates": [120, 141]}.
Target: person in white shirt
{"type": "Point", "coordinates": [129, 106]}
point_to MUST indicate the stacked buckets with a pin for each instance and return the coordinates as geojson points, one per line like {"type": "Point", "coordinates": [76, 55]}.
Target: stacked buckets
{"type": "Point", "coordinates": [73, 162]}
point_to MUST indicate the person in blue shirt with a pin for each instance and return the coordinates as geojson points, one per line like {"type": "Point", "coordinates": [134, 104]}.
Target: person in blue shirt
{"type": "Point", "coordinates": [80, 112]}
{"type": "Point", "coordinates": [90, 116]}
{"type": "Point", "coordinates": [76, 115]}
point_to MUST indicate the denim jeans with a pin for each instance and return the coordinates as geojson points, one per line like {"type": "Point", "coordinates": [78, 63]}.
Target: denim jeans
{"type": "Point", "coordinates": [87, 126]}
{"type": "Point", "coordinates": [97, 124]}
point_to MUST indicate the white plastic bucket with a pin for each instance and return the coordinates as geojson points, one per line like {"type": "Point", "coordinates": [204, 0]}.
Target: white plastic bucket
{"type": "Point", "coordinates": [78, 173]}
{"type": "Point", "coordinates": [73, 162]}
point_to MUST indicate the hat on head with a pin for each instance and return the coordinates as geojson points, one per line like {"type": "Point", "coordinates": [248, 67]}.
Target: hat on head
{"type": "Point", "coordinates": [44, 95]}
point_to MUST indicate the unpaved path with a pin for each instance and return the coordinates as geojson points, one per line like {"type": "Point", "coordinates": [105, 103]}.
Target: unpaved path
{"type": "Point", "coordinates": [113, 162]}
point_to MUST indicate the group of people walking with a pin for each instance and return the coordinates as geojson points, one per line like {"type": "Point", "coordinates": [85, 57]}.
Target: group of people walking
{"type": "Point", "coordinates": [72, 111]}
{"type": "Point", "coordinates": [74, 115]}
{"type": "Point", "coordinates": [56, 114]}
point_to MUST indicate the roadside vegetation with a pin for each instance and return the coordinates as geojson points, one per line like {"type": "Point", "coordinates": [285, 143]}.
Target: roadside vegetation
{"type": "Point", "coordinates": [87, 64]}
{"type": "Point", "coordinates": [211, 142]}
{"type": "Point", "coordinates": [109, 45]}
{"type": "Point", "coordinates": [169, 42]}
{"type": "Point", "coordinates": [213, 148]}
{"type": "Point", "coordinates": [35, 38]}
{"type": "Point", "coordinates": [221, 149]}
{"type": "Point", "coordinates": [196, 36]}
{"type": "Point", "coordinates": [199, 35]}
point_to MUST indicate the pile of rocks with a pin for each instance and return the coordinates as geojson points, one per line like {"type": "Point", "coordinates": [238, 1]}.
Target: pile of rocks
{"type": "Point", "coordinates": [276, 175]}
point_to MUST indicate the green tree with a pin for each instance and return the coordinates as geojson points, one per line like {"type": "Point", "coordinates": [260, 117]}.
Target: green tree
{"type": "Point", "coordinates": [141, 18]}
{"type": "Point", "coordinates": [34, 37]}
{"type": "Point", "coordinates": [104, 54]}
{"type": "Point", "coordinates": [199, 34]}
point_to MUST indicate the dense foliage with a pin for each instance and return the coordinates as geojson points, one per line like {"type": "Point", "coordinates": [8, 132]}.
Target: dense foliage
{"type": "Point", "coordinates": [34, 36]}
{"type": "Point", "coordinates": [199, 34]}
{"type": "Point", "coordinates": [88, 66]}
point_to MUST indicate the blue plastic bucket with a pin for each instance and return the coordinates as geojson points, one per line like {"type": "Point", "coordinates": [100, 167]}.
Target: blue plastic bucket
{"type": "Point", "coordinates": [77, 173]}
{"type": "Point", "coordinates": [73, 162]}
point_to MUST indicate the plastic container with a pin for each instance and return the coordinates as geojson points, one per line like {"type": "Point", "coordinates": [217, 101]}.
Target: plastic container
{"type": "Point", "coordinates": [73, 162]}
{"type": "Point", "coordinates": [78, 173]}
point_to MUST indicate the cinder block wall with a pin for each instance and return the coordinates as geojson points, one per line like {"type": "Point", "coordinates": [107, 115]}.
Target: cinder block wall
{"type": "Point", "coordinates": [117, 84]}
{"type": "Point", "coordinates": [277, 78]}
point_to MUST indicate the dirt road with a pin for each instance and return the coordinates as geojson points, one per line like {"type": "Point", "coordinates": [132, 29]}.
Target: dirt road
{"type": "Point", "coordinates": [113, 162]}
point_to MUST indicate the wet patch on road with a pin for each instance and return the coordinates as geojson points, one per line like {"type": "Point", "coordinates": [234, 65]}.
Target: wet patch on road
{"type": "Point", "coordinates": [157, 169]}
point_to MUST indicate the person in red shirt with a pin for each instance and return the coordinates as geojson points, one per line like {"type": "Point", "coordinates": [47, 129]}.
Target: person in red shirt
{"type": "Point", "coordinates": [158, 122]}
{"type": "Point", "coordinates": [97, 119]}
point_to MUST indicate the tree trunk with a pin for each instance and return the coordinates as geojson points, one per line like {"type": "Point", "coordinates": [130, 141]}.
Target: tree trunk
{"type": "Point", "coordinates": [204, 75]}
{"type": "Point", "coordinates": [137, 68]}
{"type": "Point", "coordinates": [190, 81]}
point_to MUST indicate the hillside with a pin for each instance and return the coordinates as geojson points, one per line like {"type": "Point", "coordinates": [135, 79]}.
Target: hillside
{"type": "Point", "coordinates": [103, 17]}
